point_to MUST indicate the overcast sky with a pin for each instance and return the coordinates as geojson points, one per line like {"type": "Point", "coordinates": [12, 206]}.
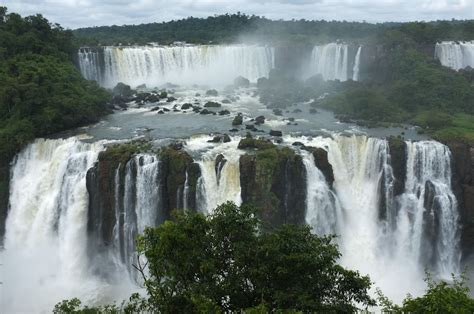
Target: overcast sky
{"type": "Point", "coordinates": [82, 13]}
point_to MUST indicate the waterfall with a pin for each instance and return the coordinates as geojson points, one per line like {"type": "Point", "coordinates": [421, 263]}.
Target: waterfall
{"type": "Point", "coordinates": [391, 238]}
{"type": "Point", "coordinates": [156, 65]}
{"type": "Point", "coordinates": [355, 70]}
{"type": "Point", "coordinates": [217, 186]}
{"type": "Point", "coordinates": [331, 61]}
{"type": "Point", "coordinates": [89, 64]}
{"type": "Point", "coordinates": [45, 255]}
{"type": "Point", "coordinates": [323, 211]}
{"type": "Point", "coordinates": [141, 205]}
{"type": "Point", "coordinates": [428, 218]}
{"type": "Point", "coordinates": [455, 55]}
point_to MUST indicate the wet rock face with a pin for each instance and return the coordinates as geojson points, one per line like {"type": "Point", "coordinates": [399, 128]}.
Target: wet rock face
{"type": "Point", "coordinates": [322, 163]}
{"type": "Point", "coordinates": [274, 181]}
{"type": "Point", "coordinates": [463, 186]}
{"type": "Point", "coordinates": [398, 161]}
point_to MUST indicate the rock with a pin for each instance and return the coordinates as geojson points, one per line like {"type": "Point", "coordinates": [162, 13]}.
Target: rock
{"type": "Point", "coordinates": [224, 112]}
{"type": "Point", "coordinates": [226, 101]}
{"type": "Point", "coordinates": [163, 95]}
{"type": "Point", "coordinates": [259, 120]}
{"type": "Point", "coordinates": [313, 111]}
{"type": "Point", "coordinates": [297, 111]}
{"type": "Point", "coordinates": [161, 112]}
{"type": "Point", "coordinates": [299, 144]}
{"type": "Point", "coordinates": [215, 139]}
{"type": "Point", "coordinates": [155, 108]}
{"type": "Point", "coordinates": [212, 104]}
{"type": "Point", "coordinates": [251, 127]}
{"type": "Point", "coordinates": [322, 163]}
{"type": "Point", "coordinates": [237, 120]}
{"type": "Point", "coordinates": [153, 98]}
{"type": "Point", "coordinates": [186, 106]}
{"type": "Point", "coordinates": [241, 82]}
{"type": "Point", "coordinates": [170, 99]}
{"type": "Point", "coordinates": [275, 133]}
{"type": "Point", "coordinates": [205, 111]}
{"type": "Point", "coordinates": [233, 130]}
{"type": "Point", "coordinates": [226, 138]}
{"type": "Point", "coordinates": [277, 112]}
{"type": "Point", "coordinates": [291, 119]}
{"type": "Point", "coordinates": [212, 92]}
{"type": "Point", "coordinates": [166, 109]}
{"type": "Point", "coordinates": [197, 95]}
{"type": "Point", "coordinates": [122, 89]}
{"type": "Point", "coordinates": [176, 145]}
{"type": "Point", "coordinates": [250, 142]}
{"type": "Point", "coordinates": [279, 189]}
{"type": "Point", "coordinates": [219, 164]}
{"type": "Point", "coordinates": [141, 86]}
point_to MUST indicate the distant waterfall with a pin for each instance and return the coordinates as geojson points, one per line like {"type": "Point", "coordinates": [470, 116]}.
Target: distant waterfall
{"type": "Point", "coordinates": [355, 70]}
{"type": "Point", "coordinates": [330, 60]}
{"type": "Point", "coordinates": [421, 226]}
{"type": "Point", "coordinates": [90, 64]}
{"type": "Point", "coordinates": [155, 65]}
{"type": "Point", "coordinates": [45, 253]}
{"type": "Point", "coordinates": [455, 55]}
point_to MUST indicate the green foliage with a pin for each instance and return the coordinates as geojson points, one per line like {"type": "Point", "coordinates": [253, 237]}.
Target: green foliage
{"type": "Point", "coordinates": [41, 91]}
{"type": "Point", "coordinates": [441, 297]}
{"type": "Point", "coordinates": [74, 306]}
{"type": "Point", "coordinates": [225, 263]}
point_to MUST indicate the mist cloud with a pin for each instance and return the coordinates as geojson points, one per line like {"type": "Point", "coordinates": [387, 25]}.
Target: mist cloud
{"type": "Point", "coordinates": [82, 13]}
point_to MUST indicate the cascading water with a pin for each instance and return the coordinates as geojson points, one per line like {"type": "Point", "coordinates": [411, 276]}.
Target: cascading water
{"type": "Point", "coordinates": [140, 208]}
{"type": "Point", "coordinates": [455, 55]}
{"type": "Point", "coordinates": [217, 186]}
{"type": "Point", "coordinates": [323, 212]}
{"type": "Point", "coordinates": [154, 65]}
{"type": "Point", "coordinates": [331, 61]}
{"type": "Point", "coordinates": [427, 222]}
{"type": "Point", "coordinates": [355, 70]}
{"type": "Point", "coordinates": [89, 64]}
{"type": "Point", "coordinates": [420, 228]}
{"type": "Point", "coordinates": [45, 255]}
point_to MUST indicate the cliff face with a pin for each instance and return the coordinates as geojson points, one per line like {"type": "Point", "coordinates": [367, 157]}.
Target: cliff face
{"type": "Point", "coordinates": [463, 185]}
{"type": "Point", "coordinates": [274, 180]}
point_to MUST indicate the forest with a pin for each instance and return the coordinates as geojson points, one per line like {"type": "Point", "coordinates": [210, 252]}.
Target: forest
{"type": "Point", "coordinates": [229, 28]}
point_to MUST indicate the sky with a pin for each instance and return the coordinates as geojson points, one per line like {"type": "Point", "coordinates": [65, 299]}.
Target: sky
{"type": "Point", "coordinates": [83, 13]}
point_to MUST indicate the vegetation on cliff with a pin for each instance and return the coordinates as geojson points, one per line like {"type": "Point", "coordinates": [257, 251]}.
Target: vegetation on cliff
{"type": "Point", "coordinates": [41, 92]}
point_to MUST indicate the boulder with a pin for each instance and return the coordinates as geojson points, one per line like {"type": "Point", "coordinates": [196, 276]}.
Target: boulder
{"type": "Point", "coordinates": [259, 120]}
{"type": "Point", "coordinates": [224, 112]}
{"type": "Point", "coordinates": [186, 106]}
{"type": "Point", "coordinates": [122, 89]}
{"type": "Point", "coordinates": [241, 82]}
{"type": "Point", "coordinates": [212, 104]}
{"type": "Point", "coordinates": [275, 133]}
{"type": "Point", "coordinates": [237, 120]}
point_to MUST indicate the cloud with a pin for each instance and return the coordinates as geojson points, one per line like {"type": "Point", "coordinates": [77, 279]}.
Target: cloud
{"type": "Point", "coordinates": [82, 13]}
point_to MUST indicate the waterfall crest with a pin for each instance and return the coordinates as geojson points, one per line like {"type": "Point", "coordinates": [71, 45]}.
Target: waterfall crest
{"type": "Point", "coordinates": [455, 55]}
{"type": "Point", "coordinates": [154, 65]}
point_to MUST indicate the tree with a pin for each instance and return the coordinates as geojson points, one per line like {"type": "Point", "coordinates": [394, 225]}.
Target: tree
{"type": "Point", "coordinates": [441, 297]}
{"type": "Point", "coordinates": [226, 262]}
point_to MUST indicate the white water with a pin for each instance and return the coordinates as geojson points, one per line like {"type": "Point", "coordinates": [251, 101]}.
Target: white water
{"type": "Point", "coordinates": [355, 70]}
{"type": "Point", "coordinates": [456, 55]}
{"type": "Point", "coordinates": [323, 211]}
{"type": "Point", "coordinates": [389, 250]}
{"type": "Point", "coordinates": [89, 64]}
{"type": "Point", "coordinates": [154, 65]}
{"type": "Point", "coordinates": [331, 61]}
{"type": "Point", "coordinates": [45, 257]}
{"type": "Point", "coordinates": [215, 188]}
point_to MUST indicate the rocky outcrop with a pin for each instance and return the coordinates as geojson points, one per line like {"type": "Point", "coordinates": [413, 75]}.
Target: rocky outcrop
{"type": "Point", "coordinates": [274, 181]}
{"type": "Point", "coordinates": [322, 163]}
{"type": "Point", "coordinates": [174, 164]}
{"type": "Point", "coordinates": [398, 161]}
{"type": "Point", "coordinates": [463, 186]}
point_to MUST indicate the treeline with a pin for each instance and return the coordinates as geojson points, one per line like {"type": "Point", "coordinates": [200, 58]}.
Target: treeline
{"type": "Point", "coordinates": [41, 91]}
{"type": "Point", "coordinates": [234, 27]}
